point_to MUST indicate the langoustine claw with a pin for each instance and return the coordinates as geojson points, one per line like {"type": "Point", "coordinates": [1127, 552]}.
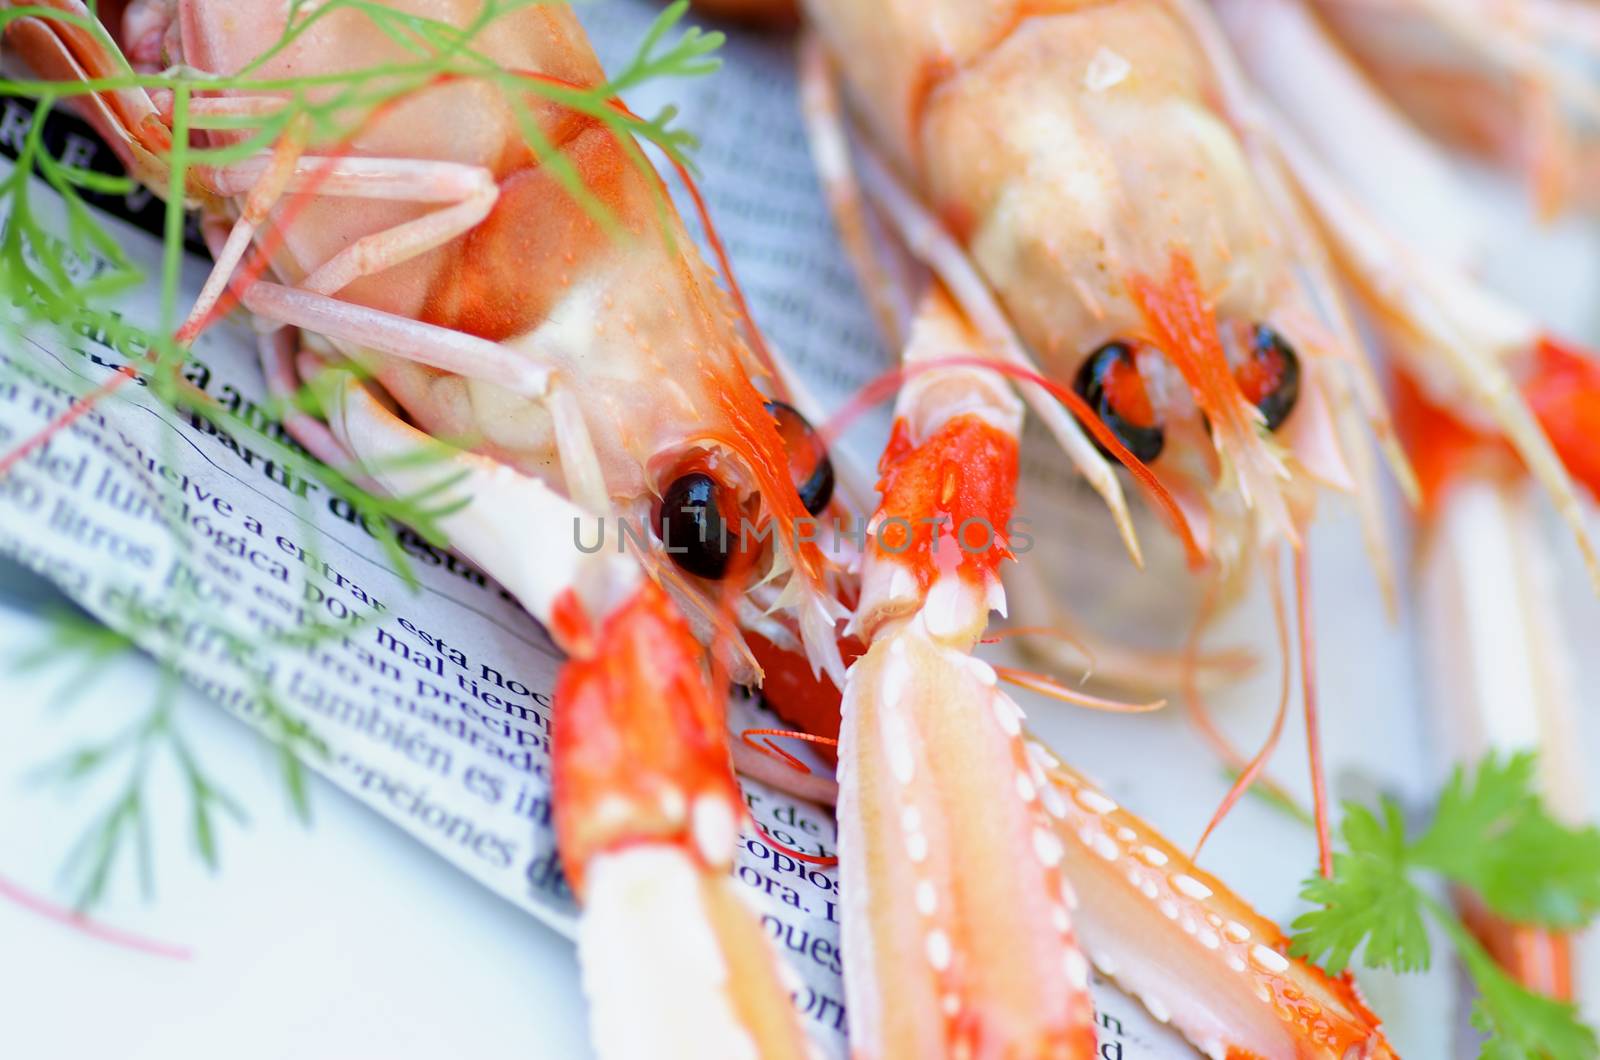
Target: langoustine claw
{"type": "Point", "coordinates": [1181, 941]}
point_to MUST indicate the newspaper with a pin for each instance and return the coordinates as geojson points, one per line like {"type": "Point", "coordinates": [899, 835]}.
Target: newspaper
{"type": "Point", "coordinates": [434, 702]}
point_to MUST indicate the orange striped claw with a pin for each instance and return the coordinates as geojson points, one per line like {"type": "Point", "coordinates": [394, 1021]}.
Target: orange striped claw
{"type": "Point", "coordinates": [949, 953]}
{"type": "Point", "coordinates": [1197, 955]}
{"type": "Point", "coordinates": [647, 817]}
{"type": "Point", "coordinates": [639, 746]}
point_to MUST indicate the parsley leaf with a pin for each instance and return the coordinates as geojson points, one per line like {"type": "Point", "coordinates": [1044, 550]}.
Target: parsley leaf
{"type": "Point", "coordinates": [1523, 1025]}
{"type": "Point", "coordinates": [1368, 899]}
{"type": "Point", "coordinates": [1491, 834]}
{"type": "Point", "coordinates": [1519, 1024]}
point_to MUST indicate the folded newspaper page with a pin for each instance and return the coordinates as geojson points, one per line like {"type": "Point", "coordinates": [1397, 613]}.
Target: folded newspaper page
{"type": "Point", "coordinates": [431, 702]}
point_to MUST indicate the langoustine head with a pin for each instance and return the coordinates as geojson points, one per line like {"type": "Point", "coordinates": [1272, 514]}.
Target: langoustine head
{"type": "Point", "coordinates": [664, 416]}
{"type": "Point", "coordinates": [562, 367]}
{"type": "Point", "coordinates": [1087, 160]}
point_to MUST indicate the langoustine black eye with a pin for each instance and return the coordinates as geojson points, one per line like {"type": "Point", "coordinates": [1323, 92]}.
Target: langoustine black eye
{"type": "Point", "coordinates": [1269, 375]}
{"type": "Point", "coordinates": [809, 464]}
{"type": "Point", "coordinates": [692, 526]}
{"type": "Point", "coordinates": [1109, 383]}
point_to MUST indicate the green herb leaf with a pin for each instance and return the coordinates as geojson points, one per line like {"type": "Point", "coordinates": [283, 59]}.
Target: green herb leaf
{"type": "Point", "coordinates": [1493, 835]}
{"type": "Point", "coordinates": [1368, 901]}
{"type": "Point", "coordinates": [1522, 1025]}
{"type": "Point", "coordinates": [1490, 834]}
{"type": "Point", "coordinates": [1519, 1024]}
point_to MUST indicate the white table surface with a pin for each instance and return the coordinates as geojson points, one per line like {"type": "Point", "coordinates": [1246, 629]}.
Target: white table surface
{"type": "Point", "coordinates": [344, 939]}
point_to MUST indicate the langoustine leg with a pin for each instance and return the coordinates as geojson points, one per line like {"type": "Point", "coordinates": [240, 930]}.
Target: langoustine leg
{"type": "Point", "coordinates": [934, 777]}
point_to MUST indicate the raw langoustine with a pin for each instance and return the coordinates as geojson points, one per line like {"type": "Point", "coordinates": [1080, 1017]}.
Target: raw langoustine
{"type": "Point", "coordinates": [1102, 235]}
{"type": "Point", "coordinates": [433, 278]}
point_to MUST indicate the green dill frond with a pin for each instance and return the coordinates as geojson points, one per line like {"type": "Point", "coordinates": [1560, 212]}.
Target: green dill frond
{"type": "Point", "coordinates": [155, 734]}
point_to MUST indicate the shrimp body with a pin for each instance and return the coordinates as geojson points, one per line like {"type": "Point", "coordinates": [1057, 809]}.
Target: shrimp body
{"type": "Point", "coordinates": [476, 332]}
{"type": "Point", "coordinates": [1511, 80]}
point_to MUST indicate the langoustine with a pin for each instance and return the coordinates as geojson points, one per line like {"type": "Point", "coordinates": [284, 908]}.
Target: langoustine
{"type": "Point", "coordinates": [445, 285]}
{"type": "Point", "coordinates": [1498, 667]}
{"type": "Point", "coordinates": [1072, 178]}
{"type": "Point", "coordinates": [1515, 81]}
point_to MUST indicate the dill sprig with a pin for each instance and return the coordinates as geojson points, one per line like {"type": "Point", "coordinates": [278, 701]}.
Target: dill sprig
{"type": "Point", "coordinates": [133, 752]}
{"type": "Point", "coordinates": [67, 276]}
